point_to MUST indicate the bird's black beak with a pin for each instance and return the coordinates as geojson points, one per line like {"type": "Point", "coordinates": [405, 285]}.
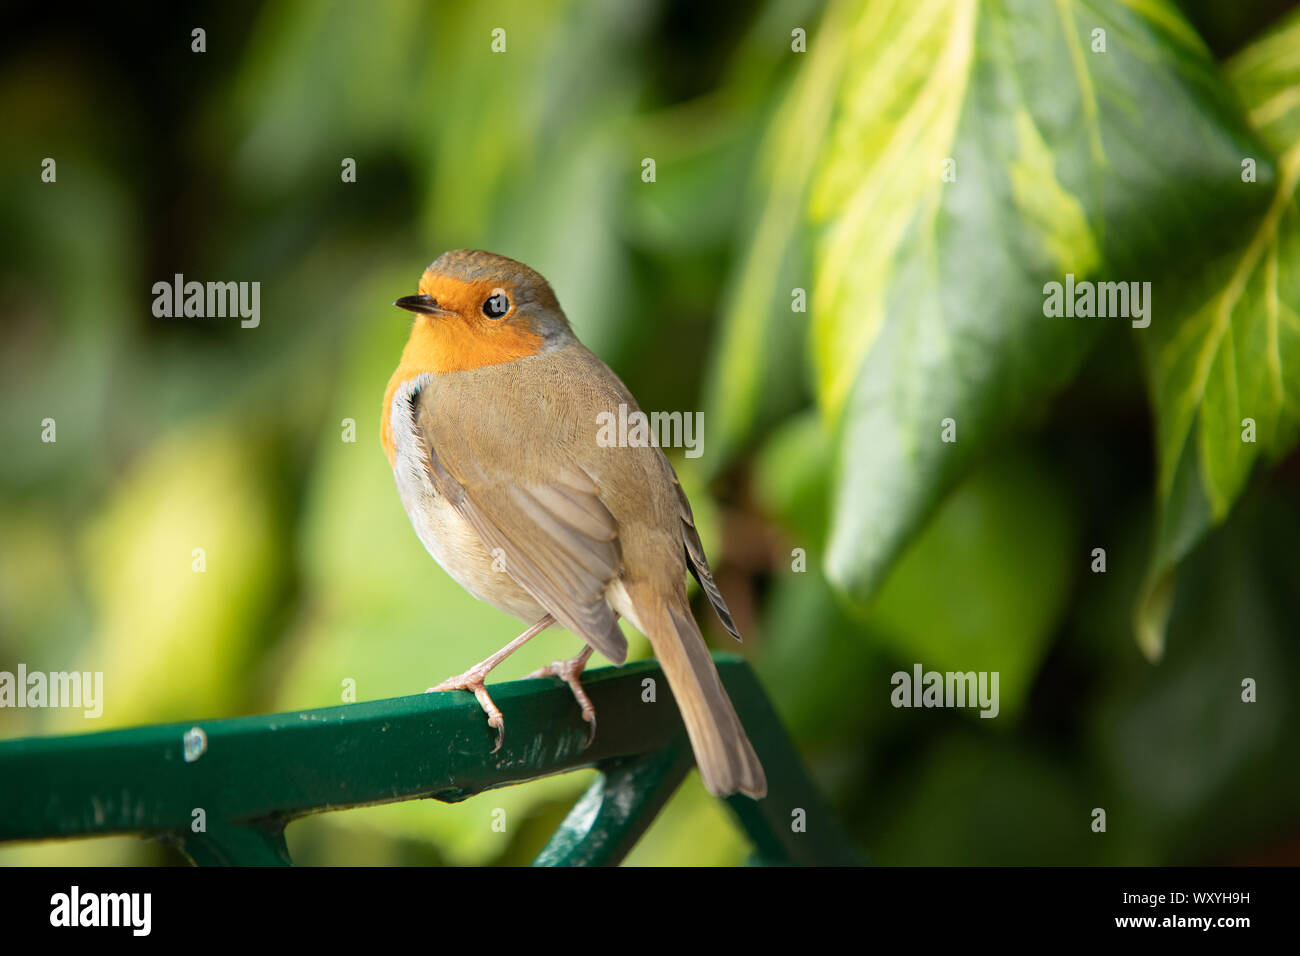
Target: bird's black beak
{"type": "Point", "coordinates": [425, 304]}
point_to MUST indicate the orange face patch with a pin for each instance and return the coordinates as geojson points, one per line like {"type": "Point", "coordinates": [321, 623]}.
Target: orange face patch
{"type": "Point", "coordinates": [465, 340]}
{"type": "Point", "coordinates": [468, 339]}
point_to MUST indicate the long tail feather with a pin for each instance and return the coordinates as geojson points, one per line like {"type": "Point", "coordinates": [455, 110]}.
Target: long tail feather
{"type": "Point", "coordinates": [723, 752]}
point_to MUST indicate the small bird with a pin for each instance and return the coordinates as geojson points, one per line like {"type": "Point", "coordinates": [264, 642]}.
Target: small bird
{"type": "Point", "coordinates": [490, 424]}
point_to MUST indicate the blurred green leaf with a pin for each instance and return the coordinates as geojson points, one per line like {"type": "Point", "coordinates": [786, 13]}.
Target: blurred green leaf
{"type": "Point", "coordinates": [1182, 750]}
{"type": "Point", "coordinates": [791, 479]}
{"type": "Point", "coordinates": [981, 800]}
{"type": "Point", "coordinates": [43, 611]}
{"type": "Point", "coordinates": [753, 377]}
{"type": "Point", "coordinates": [979, 588]}
{"type": "Point", "coordinates": [815, 656]}
{"type": "Point", "coordinates": [173, 641]}
{"type": "Point", "coordinates": [320, 82]}
{"type": "Point", "coordinates": [65, 291]}
{"type": "Point", "coordinates": [982, 587]}
{"type": "Point", "coordinates": [1227, 349]}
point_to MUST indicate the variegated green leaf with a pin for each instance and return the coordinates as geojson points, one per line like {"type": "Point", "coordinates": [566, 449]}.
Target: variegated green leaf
{"type": "Point", "coordinates": [1069, 160]}
{"type": "Point", "coordinates": [1225, 365]}
{"type": "Point", "coordinates": [757, 368]}
{"type": "Point", "coordinates": [949, 158]}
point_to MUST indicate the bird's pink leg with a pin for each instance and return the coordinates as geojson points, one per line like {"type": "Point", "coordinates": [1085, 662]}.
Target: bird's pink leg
{"type": "Point", "coordinates": [472, 679]}
{"type": "Point", "coordinates": [569, 671]}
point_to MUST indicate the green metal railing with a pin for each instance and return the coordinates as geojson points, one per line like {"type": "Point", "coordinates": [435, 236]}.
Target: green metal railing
{"type": "Point", "coordinates": [253, 775]}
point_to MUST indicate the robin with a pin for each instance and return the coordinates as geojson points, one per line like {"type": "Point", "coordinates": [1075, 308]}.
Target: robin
{"type": "Point", "coordinates": [490, 425]}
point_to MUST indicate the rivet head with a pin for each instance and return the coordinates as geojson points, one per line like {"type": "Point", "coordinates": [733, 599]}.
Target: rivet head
{"type": "Point", "coordinates": [195, 744]}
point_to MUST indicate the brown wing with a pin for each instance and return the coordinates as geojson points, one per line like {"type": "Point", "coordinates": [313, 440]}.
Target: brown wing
{"type": "Point", "coordinates": [699, 564]}
{"type": "Point", "coordinates": [559, 540]}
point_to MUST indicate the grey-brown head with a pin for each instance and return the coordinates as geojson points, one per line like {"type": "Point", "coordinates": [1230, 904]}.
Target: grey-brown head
{"type": "Point", "coordinates": [492, 295]}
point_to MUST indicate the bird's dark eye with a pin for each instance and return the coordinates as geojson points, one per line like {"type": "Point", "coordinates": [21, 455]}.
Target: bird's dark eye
{"type": "Point", "coordinates": [496, 305]}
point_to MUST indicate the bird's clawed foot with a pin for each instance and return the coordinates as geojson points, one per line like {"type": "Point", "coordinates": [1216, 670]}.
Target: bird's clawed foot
{"type": "Point", "coordinates": [473, 680]}
{"type": "Point", "coordinates": [569, 671]}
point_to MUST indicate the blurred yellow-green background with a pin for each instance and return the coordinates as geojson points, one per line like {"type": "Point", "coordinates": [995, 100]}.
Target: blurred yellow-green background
{"type": "Point", "coordinates": [915, 171]}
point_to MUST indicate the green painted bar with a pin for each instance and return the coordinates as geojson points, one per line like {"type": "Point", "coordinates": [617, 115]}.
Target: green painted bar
{"type": "Point", "coordinates": [611, 816]}
{"type": "Point", "coordinates": [258, 773]}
